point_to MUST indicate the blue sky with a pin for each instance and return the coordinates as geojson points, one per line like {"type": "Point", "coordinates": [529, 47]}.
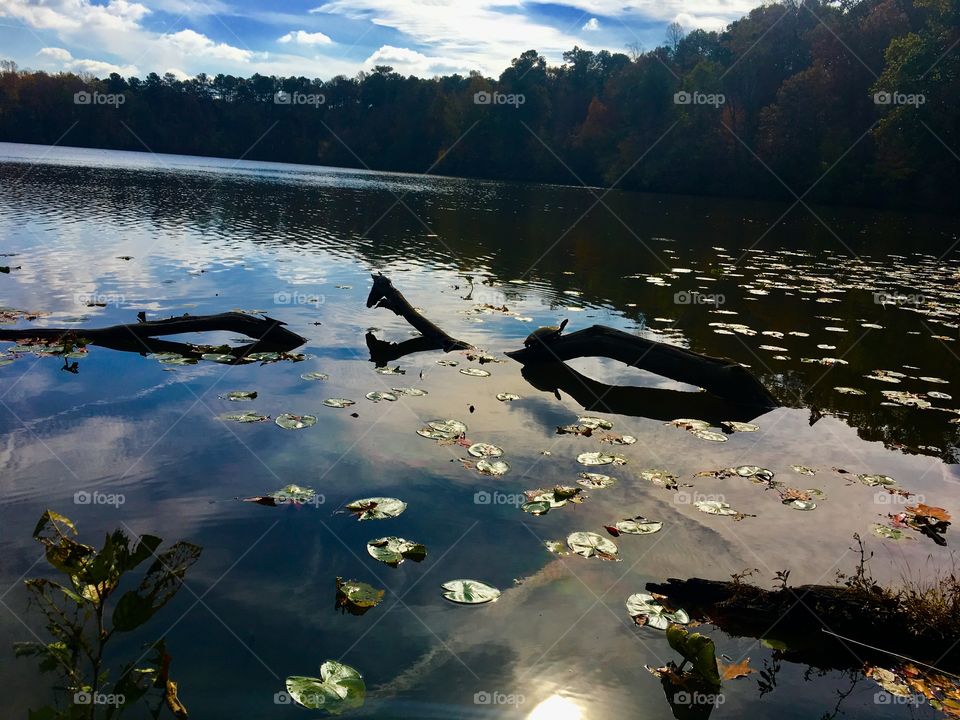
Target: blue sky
{"type": "Point", "coordinates": [323, 38]}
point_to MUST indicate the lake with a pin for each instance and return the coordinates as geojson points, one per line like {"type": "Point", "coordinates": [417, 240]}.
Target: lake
{"type": "Point", "coordinates": [811, 299]}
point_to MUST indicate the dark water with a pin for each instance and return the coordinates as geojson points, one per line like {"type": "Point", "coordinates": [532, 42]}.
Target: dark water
{"type": "Point", "coordinates": [299, 243]}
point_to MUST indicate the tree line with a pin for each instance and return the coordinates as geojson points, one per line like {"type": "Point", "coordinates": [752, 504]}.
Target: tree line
{"type": "Point", "coordinates": [844, 101]}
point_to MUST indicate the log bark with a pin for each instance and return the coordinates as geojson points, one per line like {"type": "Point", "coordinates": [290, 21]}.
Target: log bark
{"type": "Point", "coordinates": [719, 376]}
{"type": "Point", "coordinates": [384, 294]}
{"type": "Point", "coordinates": [266, 332]}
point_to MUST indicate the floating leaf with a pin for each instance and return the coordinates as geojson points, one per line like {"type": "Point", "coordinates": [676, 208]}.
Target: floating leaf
{"type": "Point", "coordinates": [357, 597]}
{"type": "Point", "coordinates": [803, 469]}
{"type": "Point", "coordinates": [710, 435]}
{"type": "Point", "coordinates": [536, 507]}
{"type": "Point", "coordinates": [289, 494]}
{"type": "Point", "coordinates": [239, 395]}
{"type": "Point", "coordinates": [507, 397]}
{"type": "Point", "coordinates": [376, 396]}
{"type": "Point", "coordinates": [394, 550]}
{"type": "Point", "coordinates": [595, 423]}
{"type": "Point", "coordinates": [314, 376]}
{"type": "Point", "coordinates": [645, 609]}
{"type": "Point", "coordinates": [714, 507]}
{"type": "Point", "coordinates": [390, 371]}
{"type": "Point", "coordinates": [469, 592]}
{"type": "Point", "coordinates": [475, 372]}
{"type": "Point", "coordinates": [496, 468]}
{"type": "Point", "coordinates": [338, 402]}
{"type": "Point", "coordinates": [589, 544]}
{"type": "Point", "coordinates": [376, 508]}
{"type": "Point", "coordinates": [247, 417]}
{"type": "Point", "coordinates": [218, 357]}
{"type": "Point", "coordinates": [595, 480]}
{"type": "Point", "coordinates": [448, 363]}
{"type": "Point", "coordinates": [295, 422]}
{"type": "Point", "coordinates": [410, 391]}
{"type": "Point", "coordinates": [482, 450]}
{"type": "Point", "coordinates": [339, 688]}
{"type": "Point", "coordinates": [698, 650]}
{"type": "Point", "coordinates": [735, 670]}
{"type": "Point", "coordinates": [661, 478]}
{"type": "Point", "coordinates": [557, 547]}
{"type": "Point", "coordinates": [690, 424]}
{"type": "Point", "coordinates": [887, 532]}
{"type": "Point", "coordinates": [443, 430]}
{"type": "Point", "coordinates": [595, 458]}
{"type": "Point", "coordinates": [874, 480]}
{"type": "Point", "coordinates": [263, 357]}
{"type": "Point", "coordinates": [849, 390]}
{"type": "Point", "coordinates": [638, 526]}
{"type": "Point", "coordinates": [734, 426]}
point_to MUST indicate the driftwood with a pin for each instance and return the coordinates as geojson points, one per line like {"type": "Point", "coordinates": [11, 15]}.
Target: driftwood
{"type": "Point", "coordinates": [384, 294]}
{"type": "Point", "coordinates": [805, 620]}
{"type": "Point", "coordinates": [719, 376]}
{"type": "Point", "coordinates": [267, 333]}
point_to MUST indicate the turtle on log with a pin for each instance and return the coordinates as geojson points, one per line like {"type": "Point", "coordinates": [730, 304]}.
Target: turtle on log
{"type": "Point", "coordinates": [545, 335]}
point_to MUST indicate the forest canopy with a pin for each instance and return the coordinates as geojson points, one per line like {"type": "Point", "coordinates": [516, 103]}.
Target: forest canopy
{"type": "Point", "coordinates": [839, 102]}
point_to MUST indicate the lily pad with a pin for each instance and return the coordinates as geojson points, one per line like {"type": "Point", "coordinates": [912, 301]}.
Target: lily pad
{"type": "Point", "coordinates": [887, 532]}
{"type": "Point", "coordinates": [590, 544]}
{"type": "Point", "coordinates": [496, 468]}
{"type": "Point", "coordinates": [507, 397]}
{"type": "Point", "coordinates": [710, 435]}
{"type": "Point", "coordinates": [875, 480]}
{"type": "Point", "coordinates": [443, 429]}
{"type": "Point", "coordinates": [469, 592]}
{"type": "Point", "coordinates": [595, 458]}
{"type": "Point", "coordinates": [714, 507]}
{"type": "Point", "coordinates": [803, 469]}
{"type": "Point", "coordinates": [537, 507]}
{"type": "Point", "coordinates": [377, 396]}
{"type": "Point", "coordinates": [734, 426]}
{"type": "Point", "coordinates": [376, 508]}
{"type": "Point", "coordinates": [295, 494]}
{"type": "Point", "coordinates": [645, 609]}
{"type": "Point", "coordinates": [295, 422]}
{"type": "Point", "coordinates": [218, 357]}
{"type": "Point", "coordinates": [262, 356]}
{"type": "Point", "coordinates": [595, 480]}
{"type": "Point", "coordinates": [239, 395]}
{"type": "Point", "coordinates": [410, 391]}
{"type": "Point", "coordinates": [314, 376]}
{"type": "Point", "coordinates": [638, 526]}
{"type": "Point", "coordinates": [338, 689]}
{"type": "Point", "coordinates": [394, 550]}
{"type": "Point", "coordinates": [247, 417]}
{"type": "Point", "coordinates": [595, 423]}
{"type": "Point", "coordinates": [390, 371]}
{"type": "Point", "coordinates": [690, 424]}
{"type": "Point", "coordinates": [475, 372]}
{"type": "Point", "coordinates": [338, 402]}
{"type": "Point", "coordinates": [482, 450]}
{"type": "Point", "coordinates": [357, 597]}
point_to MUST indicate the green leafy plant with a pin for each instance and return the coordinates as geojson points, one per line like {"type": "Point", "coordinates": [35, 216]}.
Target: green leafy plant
{"type": "Point", "coordinates": [82, 619]}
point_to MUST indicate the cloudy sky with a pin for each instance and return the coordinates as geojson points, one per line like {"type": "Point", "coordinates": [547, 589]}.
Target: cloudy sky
{"type": "Point", "coordinates": [322, 39]}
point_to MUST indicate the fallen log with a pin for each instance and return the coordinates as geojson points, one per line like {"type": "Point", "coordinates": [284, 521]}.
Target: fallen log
{"type": "Point", "coordinates": [266, 332]}
{"type": "Point", "coordinates": [803, 622]}
{"type": "Point", "coordinates": [384, 294]}
{"type": "Point", "coordinates": [719, 376]}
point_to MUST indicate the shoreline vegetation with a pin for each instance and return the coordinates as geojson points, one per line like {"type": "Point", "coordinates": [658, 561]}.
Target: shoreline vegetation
{"type": "Point", "coordinates": [850, 103]}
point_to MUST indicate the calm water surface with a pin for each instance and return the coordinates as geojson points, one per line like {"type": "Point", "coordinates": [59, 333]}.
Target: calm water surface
{"type": "Point", "coordinates": [299, 243]}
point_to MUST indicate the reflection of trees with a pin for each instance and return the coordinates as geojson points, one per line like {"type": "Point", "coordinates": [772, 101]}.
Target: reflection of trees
{"type": "Point", "coordinates": [82, 619]}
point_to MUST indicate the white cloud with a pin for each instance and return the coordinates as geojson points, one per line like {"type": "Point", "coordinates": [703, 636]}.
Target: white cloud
{"type": "Point", "coordinates": [191, 42]}
{"type": "Point", "coordinates": [55, 53]}
{"type": "Point", "coordinates": [591, 24]}
{"type": "Point", "coordinates": [410, 62]}
{"type": "Point", "coordinates": [63, 60]}
{"type": "Point", "coordinates": [302, 37]}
